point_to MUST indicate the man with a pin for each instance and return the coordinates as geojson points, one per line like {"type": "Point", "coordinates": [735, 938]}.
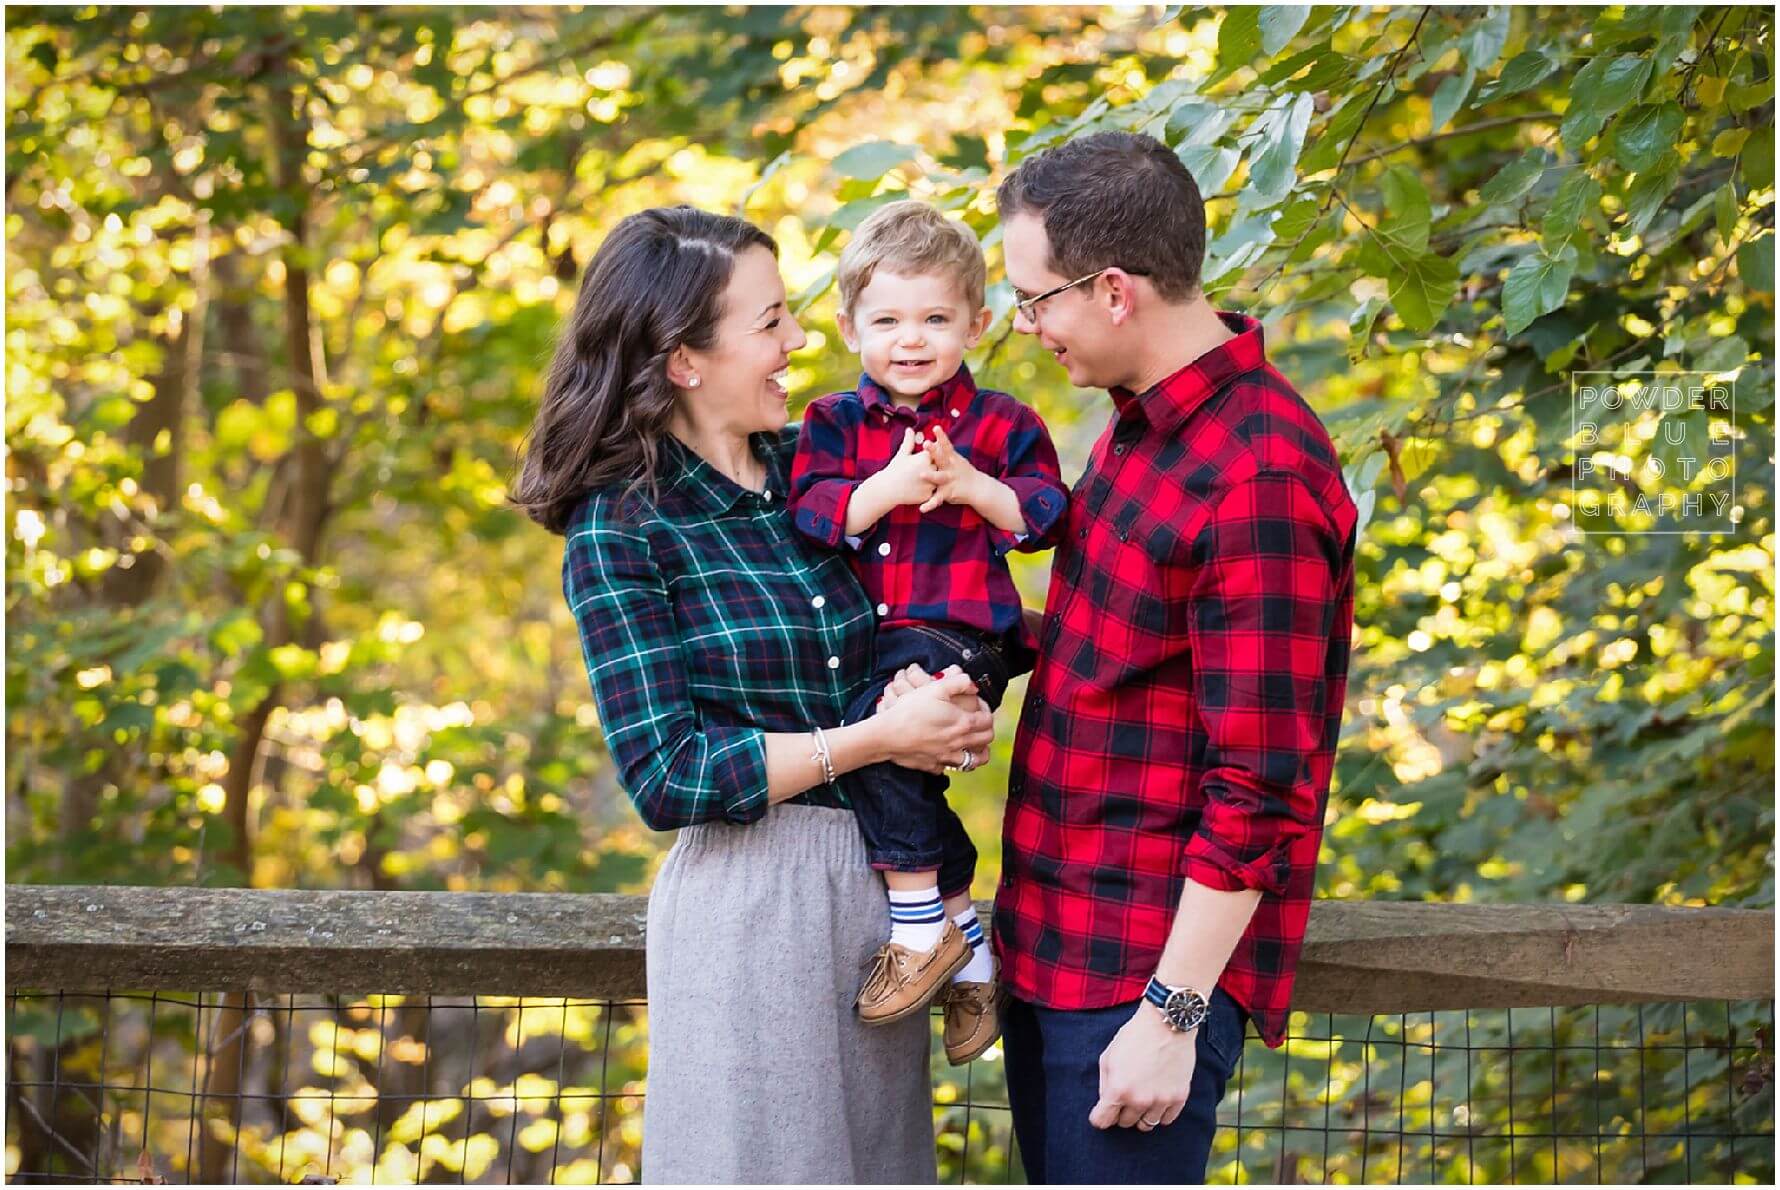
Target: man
{"type": "Point", "coordinates": [1172, 765]}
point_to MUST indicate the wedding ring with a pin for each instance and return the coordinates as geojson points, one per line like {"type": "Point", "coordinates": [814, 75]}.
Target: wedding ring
{"type": "Point", "coordinates": [969, 761]}
{"type": "Point", "coordinates": [1147, 1124]}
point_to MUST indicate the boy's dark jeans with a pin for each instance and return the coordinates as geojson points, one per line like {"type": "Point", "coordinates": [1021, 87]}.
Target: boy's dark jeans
{"type": "Point", "coordinates": [908, 826]}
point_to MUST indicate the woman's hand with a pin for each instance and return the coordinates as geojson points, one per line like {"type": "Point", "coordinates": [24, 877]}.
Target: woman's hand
{"type": "Point", "coordinates": [933, 722]}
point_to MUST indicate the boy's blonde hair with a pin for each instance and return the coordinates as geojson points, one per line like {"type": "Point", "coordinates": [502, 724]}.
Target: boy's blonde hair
{"type": "Point", "coordinates": [910, 238]}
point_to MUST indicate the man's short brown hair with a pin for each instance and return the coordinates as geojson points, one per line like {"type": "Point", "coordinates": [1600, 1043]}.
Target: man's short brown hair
{"type": "Point", "coordinates": [910, 238]}
{"type": "Point", "coordinates": [1114, 199]}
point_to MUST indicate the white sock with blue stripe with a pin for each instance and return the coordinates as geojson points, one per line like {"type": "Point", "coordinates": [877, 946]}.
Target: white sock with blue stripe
{"type": "Point", "coordinates": [981, 968]}
{"type": "Point", "coordinates": [917, 917]}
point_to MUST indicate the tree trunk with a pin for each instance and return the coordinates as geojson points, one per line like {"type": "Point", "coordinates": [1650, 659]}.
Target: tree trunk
{"type": "Point", "coordinates": [303, 515]}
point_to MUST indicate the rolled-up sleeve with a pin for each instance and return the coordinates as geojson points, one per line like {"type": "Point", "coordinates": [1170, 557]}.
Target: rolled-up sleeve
{"type": "Point", "coordinates": [677, 767]}
{"type": "Point", "coordinates": [1029, 467]}
{"type": "Point", "coordinates": [1264, 603]}
{"type": "Point", "coordinates": [824, 474]}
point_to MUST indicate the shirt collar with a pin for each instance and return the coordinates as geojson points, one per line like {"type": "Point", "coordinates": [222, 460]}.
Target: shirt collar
{"type": "Point", "coordinates": [1167, 403]}
{"type": "Point", "coordinates": [699, 487]}
{"type": "Point", "coordinates": [956, 393]}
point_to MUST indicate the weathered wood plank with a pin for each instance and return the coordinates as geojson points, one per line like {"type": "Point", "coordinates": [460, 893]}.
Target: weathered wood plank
{"type": "Point", "coordinates": [1359, 957]}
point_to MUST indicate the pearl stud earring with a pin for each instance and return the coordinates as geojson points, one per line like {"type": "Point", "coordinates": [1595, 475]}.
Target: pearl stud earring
{"type": "Point", "coordinates": [693, 382]}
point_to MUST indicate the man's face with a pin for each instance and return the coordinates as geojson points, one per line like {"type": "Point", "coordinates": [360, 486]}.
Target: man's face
{"type": "Point", "coordinates": [1071, 325]}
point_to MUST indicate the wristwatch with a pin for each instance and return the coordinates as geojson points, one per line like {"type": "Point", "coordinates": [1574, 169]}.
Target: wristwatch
{"type": "Point", "coordinates": [1183, 1008]}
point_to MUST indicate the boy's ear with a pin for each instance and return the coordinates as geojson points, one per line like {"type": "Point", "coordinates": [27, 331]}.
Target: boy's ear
{"type": "Point", "coordinates": [849, 336]}
{"type": "Point", "coordinates": [978, 325]}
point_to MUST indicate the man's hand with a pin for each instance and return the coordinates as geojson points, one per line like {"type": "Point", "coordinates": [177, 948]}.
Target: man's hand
{"type": "Point", "coordinates": [954, 480]}
{"type": "Point", "coordinates": [1145, 1073]}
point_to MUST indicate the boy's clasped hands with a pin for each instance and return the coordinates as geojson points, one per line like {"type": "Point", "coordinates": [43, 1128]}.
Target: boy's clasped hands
{"type": "Point", "coordinates": [930, 473]}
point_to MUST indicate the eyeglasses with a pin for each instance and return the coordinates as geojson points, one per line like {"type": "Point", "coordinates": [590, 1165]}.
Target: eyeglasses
{"type": "Point", "coordinates": [1029, 305]}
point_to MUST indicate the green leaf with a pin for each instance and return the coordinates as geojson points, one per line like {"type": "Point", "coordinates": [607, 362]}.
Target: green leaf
{"type": "Point", "coordinates": [1410, 211]}
{"type": "Point", "coordinates": [1421, 290]}
{"type": "Point", "coordinates": [1238, 37]}
{"type": "Point", "coordinates": [1726, 354]}
{"type": "Point", "coordinates": [1600, 91]}
{"type": "Point", "coordinates": [1755, 262]}
{"type": "Point", "coordinates": [873, 159]}
{"type": "Point", "coordinates": [1724, 211]}
{"type": "Point", "coordinates": [1649, 189]}
{"type": "Point", "coordinates": [1210, 165]}
{"type": "Point", "coordinates": [1450, 96]}
{"type": "Point", "coordinates": [1485, 39]}
{"type": "Point", "coordinates": [1536, 286]}
{"type": "Point", "coordinates": [1198, 123]}
{"type": "Point", "coordinates": [1336, 133]}
{"type": "Point", "coordinates": [1359, 328]}
{"type": "Point", "coordinates": [1526, 69]}
{"type": "Point", "coordinates": [1240, 245]}
{"type": "Point", "coordinates": [1756, 164]}
{"type": "Point", "coordinates": [1514, 181]}
{"type": "Point", "coordinates": [1577, 196]}
{"type": "Point", "coordinates": [1283, 126]}
{"type": "Point", "coordinates": [1645, 133]}
{"type": "Point", "coordinates": [1280, 23]}
{"type": "Point", "coordinates": [1729, 142]}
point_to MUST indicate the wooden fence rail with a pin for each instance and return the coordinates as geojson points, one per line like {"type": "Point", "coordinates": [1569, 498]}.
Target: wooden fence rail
{"type": "Point", "coordinates": [1359, 957]}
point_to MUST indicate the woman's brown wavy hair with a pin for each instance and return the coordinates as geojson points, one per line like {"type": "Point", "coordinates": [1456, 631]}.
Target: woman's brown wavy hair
{"type": "Point", "coordinates": [656, 284]}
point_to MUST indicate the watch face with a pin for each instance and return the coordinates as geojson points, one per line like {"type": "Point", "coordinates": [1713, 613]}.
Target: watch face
{"type": "Point", "coordinates": [1185, 1009]}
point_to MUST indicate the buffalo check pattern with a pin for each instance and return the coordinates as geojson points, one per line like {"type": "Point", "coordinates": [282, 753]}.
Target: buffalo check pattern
{"type": "Point", "coordinates": [706, 621]}
{"type": "Point", "coordinates": [947, 566]}
{"type": "Point", "coordinates": [1182, 719]}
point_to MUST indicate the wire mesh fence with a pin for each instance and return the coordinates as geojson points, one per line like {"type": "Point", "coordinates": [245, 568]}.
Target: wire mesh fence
{"type": "Point", "coordinates": [122, 1087]}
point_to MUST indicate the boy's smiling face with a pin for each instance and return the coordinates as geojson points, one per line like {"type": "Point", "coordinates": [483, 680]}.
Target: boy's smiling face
{"type": "Point", "coordinates": [911, 332]}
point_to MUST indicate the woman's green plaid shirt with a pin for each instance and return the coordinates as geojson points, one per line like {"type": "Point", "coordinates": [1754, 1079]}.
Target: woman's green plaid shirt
{"type": "Point", "coordinates": [706, 621]}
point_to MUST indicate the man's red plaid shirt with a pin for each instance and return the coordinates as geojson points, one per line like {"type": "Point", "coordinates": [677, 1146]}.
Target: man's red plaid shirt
{"type": "Point", "coordinates": [1182, 720]}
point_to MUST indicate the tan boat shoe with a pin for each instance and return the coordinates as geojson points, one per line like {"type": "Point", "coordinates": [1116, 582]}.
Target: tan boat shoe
{"type": "Point", "coordinates": [903, 981]}
{"type": "Point", "coordinates": [973, 1018]}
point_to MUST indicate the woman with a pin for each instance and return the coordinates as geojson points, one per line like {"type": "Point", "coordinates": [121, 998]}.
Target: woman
{"type": "Point", "coordinates": [722, 650]}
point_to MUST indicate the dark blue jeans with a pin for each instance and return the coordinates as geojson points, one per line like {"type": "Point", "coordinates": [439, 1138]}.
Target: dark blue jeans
{"type": "Point", "coordinates": [1053, 1082]}
{"type": "Point", "coordinates": [903, 814]}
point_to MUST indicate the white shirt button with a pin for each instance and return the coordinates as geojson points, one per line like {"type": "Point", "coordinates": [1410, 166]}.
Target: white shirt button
{"type": "Point", "coordinates": [884, 550]}
{"type": "Point", "coordinates": [834, 663]}
{"type": "Point", "coordinates": [819, 602]}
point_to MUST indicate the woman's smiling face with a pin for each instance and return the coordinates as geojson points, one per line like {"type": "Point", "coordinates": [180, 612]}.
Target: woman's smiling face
{"type": "Point", "coordinates": [742, 375]}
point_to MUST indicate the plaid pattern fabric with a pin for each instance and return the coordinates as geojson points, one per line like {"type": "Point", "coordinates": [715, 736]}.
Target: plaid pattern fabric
{"type": "Point", "coordinates": [947, 566]}
{"type": "Point", "coordinates": [1182, 719]}
{"type": "Point", "coordinates": [707, 622]}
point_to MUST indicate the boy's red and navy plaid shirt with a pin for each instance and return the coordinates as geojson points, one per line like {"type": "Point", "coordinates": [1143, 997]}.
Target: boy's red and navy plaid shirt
{"type": "Point", "coordinates": [1182, 720]}
{"type": "Point", "coordinates": [947, 566]}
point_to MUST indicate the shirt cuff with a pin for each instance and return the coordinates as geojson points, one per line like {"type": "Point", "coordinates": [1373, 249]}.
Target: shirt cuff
{"type": "Point", "coordinates": [820, 513]}
{"type": "Point", "coordinates": [1209, 861]}
{"type": "Point", "coordinates": [1042, 504]}
{"type": "Point", "coordinates": [738, 772]}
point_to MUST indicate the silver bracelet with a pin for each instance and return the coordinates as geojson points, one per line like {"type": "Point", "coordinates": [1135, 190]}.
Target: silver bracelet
{"type": "Point", "coordinates": [822, 755]}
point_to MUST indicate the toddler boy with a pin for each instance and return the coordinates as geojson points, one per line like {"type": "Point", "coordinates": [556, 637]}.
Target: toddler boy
{"type": "Point", "coordinates": [929, 481]}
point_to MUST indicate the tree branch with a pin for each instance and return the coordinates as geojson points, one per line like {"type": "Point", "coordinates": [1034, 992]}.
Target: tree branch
{"type": "Point", "coordinates": [1467, 130]}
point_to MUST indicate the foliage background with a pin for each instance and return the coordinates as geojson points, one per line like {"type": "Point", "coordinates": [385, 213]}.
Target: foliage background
{"type": "Point", "coordinates": [281, 283]}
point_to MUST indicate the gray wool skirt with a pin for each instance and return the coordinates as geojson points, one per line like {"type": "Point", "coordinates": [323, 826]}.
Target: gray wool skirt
{"type": "Point", "coordinates": [759, 1071]}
